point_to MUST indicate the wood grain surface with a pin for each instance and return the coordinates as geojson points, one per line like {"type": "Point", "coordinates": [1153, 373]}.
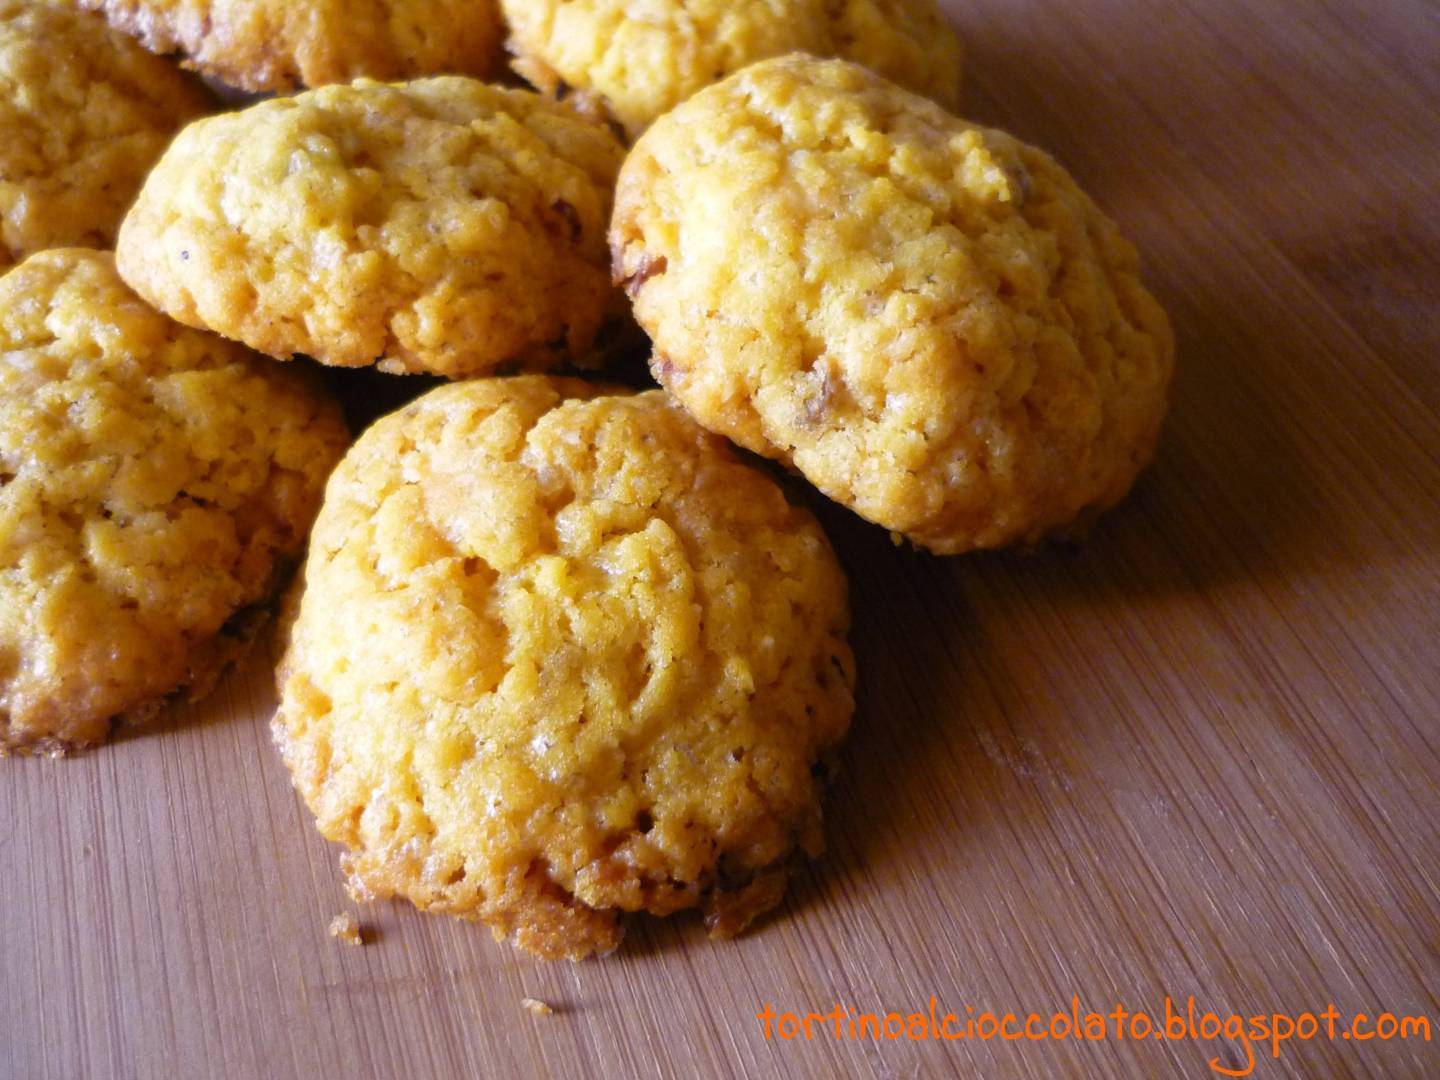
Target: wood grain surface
{"type": "Point", "coordinates": [1198, 756]}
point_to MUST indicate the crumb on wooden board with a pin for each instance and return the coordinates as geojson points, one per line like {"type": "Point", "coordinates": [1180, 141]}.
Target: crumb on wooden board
{"type": "Point", "coordinates": [344, 927]}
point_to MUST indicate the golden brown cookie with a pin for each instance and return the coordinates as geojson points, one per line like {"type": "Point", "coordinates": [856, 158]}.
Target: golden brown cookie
{"type": "Point", "coordinates": [561, 656]}
{"type": "Point", "coordinates": [84, 113]}
{"type": "Point", "coordinates": [926, 318]}
{"type": "Point", "coordinates": [286, 44]}
{"type": "Point", "coordinates": [153, 481]}
{"type": "Point", "coordinates": [641, 60]}
{"type": "Point", "coordinates": [443, 226]}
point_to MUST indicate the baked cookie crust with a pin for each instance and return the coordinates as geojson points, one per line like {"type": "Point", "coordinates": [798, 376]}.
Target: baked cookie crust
{"type": "Point", "coordinates": [639, 61]}
{"type": "Point", "coordinates": [84, 113]}
{"type": "Point", "coordinates": [928, 319]}
{"type": "Point", "coordinates": [442, 226]}
{"type": "Point", "coordinates": [154, 481]}
{"type": "Point", "coordinates": [559, 656]}
{"type": "Point", "coordinates": [283, 45]}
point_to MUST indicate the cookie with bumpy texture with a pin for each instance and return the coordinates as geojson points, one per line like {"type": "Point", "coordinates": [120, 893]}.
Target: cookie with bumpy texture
{"type": "Point", "coordinates": [154, 480]}
{"type": "Point", "coordinates": [639, 61]}
{"type": "Point", "coordinates": [285, 44]}
{"type": "Point", "coordinates": [927, 319]}
{"type": "Point", "coordinates": [561, 656]}
{"type": "Point", "coordinates": [84, 113]}
{"type": "Point", "coordinates": [440, 226]}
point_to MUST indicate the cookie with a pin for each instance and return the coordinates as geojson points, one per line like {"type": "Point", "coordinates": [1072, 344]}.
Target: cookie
{"type": "Point", "coordinates": [153, 482]}
{"type": "Point", "coordinates": [640, 61]}
{"type": "Point", "coordinates": [440, 226]}
{"type": "Point", "coordinates": [560, 655]}
{"type": "Point", "coordinates": [84, 113]}
{"type": "Point", "coordinates": [285, 44]}
{"type": "Point", "coordinates": [926, 318]}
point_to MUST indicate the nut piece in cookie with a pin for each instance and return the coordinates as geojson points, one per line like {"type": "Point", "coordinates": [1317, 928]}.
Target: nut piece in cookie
{"type": "Point", "coordinates": [84, 113]}
{"type": "Point", "coordinates": [285, 44]}
{"type": "Point", "coordinates": [927, 319]}
{"type": "Point", "coordinates": [154, 482]}
{"type": "Point", "coordinates": [560, 656]}
{"type": "Point", "coordinates": [639, 61]}
{"type": "Point", "coordinates": [440, 226]}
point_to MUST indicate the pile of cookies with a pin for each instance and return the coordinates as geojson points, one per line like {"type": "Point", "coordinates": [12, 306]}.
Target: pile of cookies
{"type": "Point", "coordinates": [557, 651]}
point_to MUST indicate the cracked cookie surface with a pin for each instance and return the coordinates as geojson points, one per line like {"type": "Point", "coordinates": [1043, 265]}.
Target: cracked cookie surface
{"type": "Point", "coordinates": [442, 226]}
{"type": "Point", "coordinates": [560, 655]}
{"type": "Point", "coordinates": [639, 61]}
{"type": "Point", "coordinates": [926, 318]}
{"type": "Point", "coordinates": [153, 479]}
{"type": "Point", "coordinates": [84, 113]}
{"type": "Point", "coordinates": [285, 44]}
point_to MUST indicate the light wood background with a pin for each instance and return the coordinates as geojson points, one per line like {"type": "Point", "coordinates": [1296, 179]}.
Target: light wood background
{"type": "Point", "coordinates": [1200, 755]}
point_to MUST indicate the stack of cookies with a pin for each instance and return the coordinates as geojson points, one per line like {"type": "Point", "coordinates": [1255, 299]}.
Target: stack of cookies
{"type": "Point", "coordinates": [557, 651]}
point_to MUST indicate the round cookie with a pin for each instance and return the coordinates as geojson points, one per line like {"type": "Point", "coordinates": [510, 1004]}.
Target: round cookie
{"type": "Point", "coordinates": [153, 480]}
{"type": "Point", "coordinates": [84, 113]}
{"type": "Point", "coordinates": [285, 44]}
{"type": "Point", "coordinates": [640, 61]}
{"type": "Point", "coordinates": [926, 318]}
{"type": "Point", "coordinates": [440, 226]}
{"type": "Point", "coordinates": [561, 656]}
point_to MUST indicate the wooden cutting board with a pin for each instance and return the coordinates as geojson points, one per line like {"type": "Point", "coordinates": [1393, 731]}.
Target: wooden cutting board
{"type": "Point", "coordinates": [1198, 756]}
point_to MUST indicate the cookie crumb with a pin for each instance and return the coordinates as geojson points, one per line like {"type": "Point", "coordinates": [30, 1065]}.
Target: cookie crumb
{"type": "Point", "coordinates": [537, 1007]}
{"type": "Point", "coordinates": [344, 927]}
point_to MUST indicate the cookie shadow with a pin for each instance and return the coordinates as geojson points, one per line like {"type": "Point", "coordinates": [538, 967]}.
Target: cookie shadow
{"type": "Point", "coordinates": [243, 693]}
{"type": "Point", "coordinates": [916, 653]}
